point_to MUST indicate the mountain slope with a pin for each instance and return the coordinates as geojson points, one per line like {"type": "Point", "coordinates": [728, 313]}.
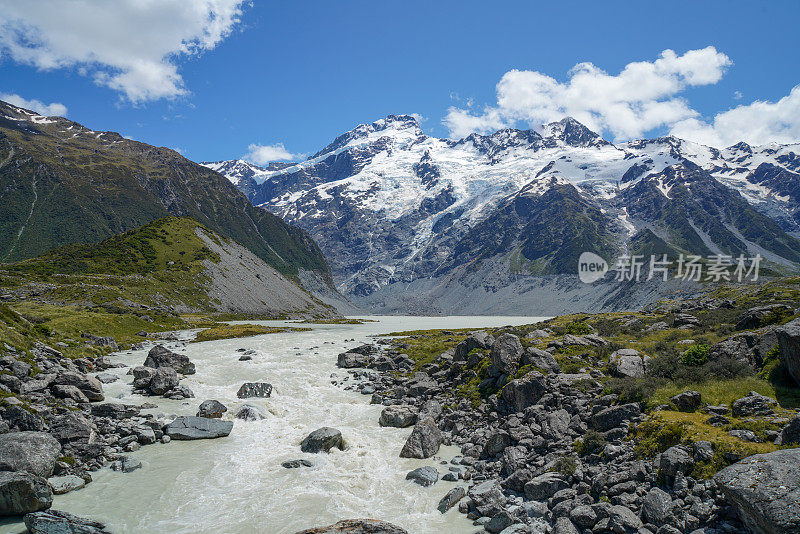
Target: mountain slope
{"type": "Point", "coordinates": [170, 265]}
{"type": "Point", "coordinates": [63, 183]}
{"type": "Point", "coordinates": [396, 211]}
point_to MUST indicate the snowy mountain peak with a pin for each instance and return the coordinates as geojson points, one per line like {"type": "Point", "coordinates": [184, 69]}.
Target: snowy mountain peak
{"type": "Point", "coordinates": [399, 128]}
{"type": "Point", "coordinates": [573, 133]}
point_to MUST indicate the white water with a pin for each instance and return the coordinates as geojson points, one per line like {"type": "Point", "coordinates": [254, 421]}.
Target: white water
{"type": "Point", "coordinates": [236, 484]}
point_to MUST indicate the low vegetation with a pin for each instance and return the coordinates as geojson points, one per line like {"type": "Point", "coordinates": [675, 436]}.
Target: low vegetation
{"type": "Point", "coordinates": [229, 331]}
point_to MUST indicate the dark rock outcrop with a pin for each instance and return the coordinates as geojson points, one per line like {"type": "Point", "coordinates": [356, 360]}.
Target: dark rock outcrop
{"type": "Point", "coordinates": [189, 427]}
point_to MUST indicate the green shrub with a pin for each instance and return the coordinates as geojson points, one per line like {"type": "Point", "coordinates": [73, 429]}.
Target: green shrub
{"type": "Point", "coordinates": [633, 389]}
{"type": "Point", "coordinates": [657, 435]}
{"type": "Point", "coordinates": [42, 329]}
{"type": "Point", "coordinates": [565, 465]}
{"type": "Point", "coordinates": [578, 328]}
{"type": "Point", "coordinates": [593, 442]}
{"type": "Point", "coordinates": [696, 355]}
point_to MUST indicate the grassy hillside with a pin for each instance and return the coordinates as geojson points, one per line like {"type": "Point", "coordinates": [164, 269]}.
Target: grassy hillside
{"type": "Point", "coordinates": [63, 183]}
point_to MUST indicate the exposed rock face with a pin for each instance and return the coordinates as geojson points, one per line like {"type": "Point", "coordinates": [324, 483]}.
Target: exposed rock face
{"type": "Point", "coordinates": [164, 379]}
{"type": "Point", "coordinates": [790, 434]}
{"type": "Point", "coordinates": [487, 497]}
{"type": "Point", "coordinates": [544, 486]}
{"type": "Point", "coordinates": [765, 489]}
{"type": "Point", "coordinates": [34, 452]}
{"type": "Point", "coordinates": [21, 493]}
{"type": "Point", "coordinates": [356, 526]}
{"type": "Point", "coordinates": [254, 389]}
{"type": "Point", "coordinates": [188, 428]}
{"type": "Point", "coordinates": [614, 416]}
{"type": "Point", "coordinates": [763, 315]}
{"type": "Point", "coordinates": [541, 359]}
{"type": "Point", "coordinates": [424, 440]}
{"type": "Point", "coordinates": [65, 484]}
{"type": "Point", "coordinates": [789, 342]}
{"type": "Point", "coordinates": [115, 410]}
{"type": "Point", "coordinates": [89, 386]}
{"type": "Point", "coordinates": [57, 522]}
{"type": "Point", "coordinates": [322, 440]}
{"type": "Point", "coordinates": [398, 416]}
{"type": "Point", "coordinates": [351, 360]}
{"type": "Point", "coordinates": [212, 409]}
{"type": "Point", "coordinates": [753, 404]}
{"type": "Point", "coordinates": [160, 356]}
{"type": "Point", "coordinates": [746, 347]}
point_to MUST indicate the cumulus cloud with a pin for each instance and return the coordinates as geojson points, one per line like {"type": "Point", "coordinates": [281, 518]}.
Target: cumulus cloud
{"type": "Point", "coordinates": [263, 154]}
{"type": "Point", "coordinates": [643, 96]}
{"type": "Point", "coordinates": [128, 45]}
{"type": "Point", "coordinates": [49, 110]}
{"type": "Point", "coordinates": [757, 123]}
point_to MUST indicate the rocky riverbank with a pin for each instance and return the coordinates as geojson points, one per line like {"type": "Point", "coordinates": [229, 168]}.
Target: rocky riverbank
{"type": "Point", "coordinates": [625, 423]}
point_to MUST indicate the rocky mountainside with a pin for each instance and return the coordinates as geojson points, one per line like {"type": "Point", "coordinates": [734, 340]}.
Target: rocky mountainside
{"type": "Point", "coordinates": [169, 266]}
{"type": "Point", "coordinates": [64, 183]}
{"type": "Point", "coordinates": [404, 217]}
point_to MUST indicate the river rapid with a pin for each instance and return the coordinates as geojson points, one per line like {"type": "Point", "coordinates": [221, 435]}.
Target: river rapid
{"type": "Point", "coordinates": [237, 484]}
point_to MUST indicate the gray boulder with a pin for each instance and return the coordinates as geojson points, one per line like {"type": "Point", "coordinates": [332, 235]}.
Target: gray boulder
{"type": "Point", "coordinates": [614, 416]}
{"type": "Point", "coordinates": [790, 434]}
{"type": "Point", "coordinates": [657, 507]}
{"type": "Point", "coordinates": [34, 452]}
{"type": "Point", "coordinates": [322, 440]}
{"type": "Point", "coordinates": [451, 499]}
{"type": "Point", "coordinates": [505, 354]}
{"type": "Point", "coordinates": [541, 359]}
{"type": "Point", "coordinates": [563, 525]}
{"type": "Point", "coordinates": [88, 385]}
{"type": "Point", "coordinates": [763, 316]}
{"type": "Point", "coordinates": [21, 493]}
{"type": "Point", "coordinates": [357, 526]}
{"type": "Point", "coordinates": [352, 360]}
{"type": "Point", "coordinates": [765, 490]}
{"type": "Point", "coordinates": [159, 356]}
{"type": "Point", "coordinates": [424, 476]}
{"type": "Point", "coordinates": [688, 401]}
{"type": "Point", "coordinates": [753, 404]}
{"type": "Point", "coordinates": [628, 363]}
{"type": "Point", "coordinates": [424, 441]}
{"type": "Point", "coordinates": [789, 343]}
{"type": "Point", "coordinates": [126, 464]}
{"type": "Point", "coordinates": [398, 416]}
{"type": "Point", "coordinates": [248, 412]}
{"type": "Point", "coordinates": [526, 391]}
{"type": "Point", "coordinates": [544, 486]}
{"type": "Point", "coordinates": [114, 410]}
{"type": "Point", "coordinates": [57, 522]}
{"type": "Point", "coordinates": [476, 340]}
{"type": "Point", "coordinates": [142, 376]}
{"type": "Point", "coordinates": [189, 428]}
{"type": "Point", "coordinates": [675, 460]}
{"type": "Point", "coordinates": [164, 379]}
{"type": "Point", "coordinates": [431, 409]}
{"type": "Point", "coordinates": [212, 409]}
{"type": "Point", "coordinates": [487, 497]}
{"type": "Point", "coordinates": [296, 464]}
{"type": "Point", "coordinates": [254, 389]}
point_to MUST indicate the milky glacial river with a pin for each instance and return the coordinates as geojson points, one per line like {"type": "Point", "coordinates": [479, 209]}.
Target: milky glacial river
{"type": "Point", "coordinates": [237, 484]}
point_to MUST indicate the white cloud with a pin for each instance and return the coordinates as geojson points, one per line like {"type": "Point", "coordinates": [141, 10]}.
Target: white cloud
{"type": "Point", "coordinates": [263, 154]}
{"type": "Point", "coordinates": [643, 96]}
{"type": "Point", "coordinates": [757, 123]}
{"type": "Point", "coordinates": [49, 110]}
{"type": "Point", "coordinates": [737, 95]}
{"type": "Point", "coordinates": [419, 117]}
{"type": "Point", "coordinates": [131, 46]}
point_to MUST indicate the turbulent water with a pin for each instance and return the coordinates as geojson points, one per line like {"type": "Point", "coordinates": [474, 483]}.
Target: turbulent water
{"type": "Point", "coordinates": [236, 484]}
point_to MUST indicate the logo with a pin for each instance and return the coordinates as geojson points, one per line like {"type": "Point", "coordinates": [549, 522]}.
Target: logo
{"type": "Point", "coordinates": [591, 267]}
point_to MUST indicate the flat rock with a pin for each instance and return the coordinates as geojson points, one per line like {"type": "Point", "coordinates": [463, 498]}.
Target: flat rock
{"type": "Point", "coordinates": [188, 428]}
{"type": "Point", "coordinates": [65, 484]}
{"type": "Point", "coordinates": [57, 522]}
{"type": "Point", "coordinates": [765, 490]}
{"type": "Point", "coordinates": [294, 464]}
{"type": "Point", "coordinates": [424, 476]}
{"type": "Point", "coordinates": [451, 498]}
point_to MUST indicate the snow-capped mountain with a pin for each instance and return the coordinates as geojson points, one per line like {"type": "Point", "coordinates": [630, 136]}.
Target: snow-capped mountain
{"type": "Point", "coordinates": [402, 215]}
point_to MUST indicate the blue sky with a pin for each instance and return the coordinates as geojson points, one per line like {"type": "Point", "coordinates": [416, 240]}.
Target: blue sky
{"type": "Point", "coordinates": [301, 73]}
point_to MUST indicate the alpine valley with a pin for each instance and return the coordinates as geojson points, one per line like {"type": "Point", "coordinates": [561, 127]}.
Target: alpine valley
{"type": "Point", "coordinates": [494, 224]}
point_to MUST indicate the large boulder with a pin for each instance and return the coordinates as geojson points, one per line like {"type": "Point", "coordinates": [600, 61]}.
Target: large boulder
{"type": "Point", "coordinates": [164, 379]}
{"type": "Point", "coordinates": [159, 356]}
{"type": "Point", "coordinates": [19, 418]}
{"type": "Point", "coordinates": [254, 389]}
{"type": "Point", "coordinates": [505, 354]}
{"type": "Point", "coordinates": [614, 417]}
{"type": "Point", "coordinates": [73, 427]}
{"type": "Point", "coordinates": [541, 359]}
{"type": "Point", "coordinates": [352, 360]}
{"type": "Point", "coordinates": [747, 347]}
{"type": "Point", "coordinates": [526, 391]}
{"type": "Point", "coordinates": [356, 526]}
{"type": "Point", "coordinates": [487, 497]}
{"type": "Point", "coordinates": [189, 427]}
{"type": "Point", "coordinates": [34, 452]}
{"type": "Point", "coordinates": [789, 343]}
{"type": "Point", "coordinates": [65, 484]}
{"type": "Point", "coordinates": [322, 440]}
{"type": "Point", "coordinates": [752, 404]}
{"type": "Point", "coordinates": [657, 506]}
{"type": "Point", "coordinates": [477, 340]}
{"type": "Point", "coordinates": [248, 412]}
{"type": "Point", "coordinates": [790, 434]}
{"type": "Point", "coordinates": [628, 363]}
{"type": "Point", "coordinates": [57, 522]}
{"type": "Point", "coordinates": [765, 490]}
{"type": "Point", "coordinates": [114, 410]}
{"type": "Point", "coordinates": [544, 486]}
{"type": "Point", "coordinates": [398, 416]}
{"type": "Point", "coordinates": [675, 460]}
{"type": "Point", "coordinates": [451, 498]}
{"type": "Point", "coordinates": [763, 316]}
{"type": "Point", "coordinates": [212, 409]}
{"type": "Point", "coordinates": [688, 401]}
{"type": "Point", "coordinates": [424, 440]}
{"type": "Point", "coordinates": [88, 385]}
{"type": "Point", "coordinates": [21, 493]}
